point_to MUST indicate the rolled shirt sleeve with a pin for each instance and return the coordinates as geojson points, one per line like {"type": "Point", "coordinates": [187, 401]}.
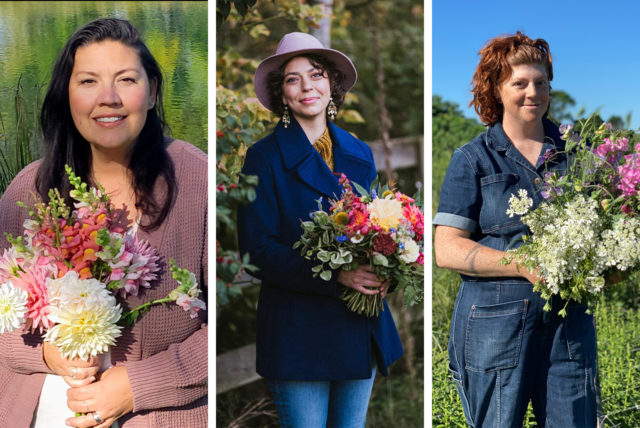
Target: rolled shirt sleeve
{"type": "Point", "coordinates": [460, 196]}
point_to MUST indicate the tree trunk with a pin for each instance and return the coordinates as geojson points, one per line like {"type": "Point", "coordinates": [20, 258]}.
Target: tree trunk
{"type": "Point", "coordinates": [323, 32]}
{"type": "Point", "coordinates": [383, 115]}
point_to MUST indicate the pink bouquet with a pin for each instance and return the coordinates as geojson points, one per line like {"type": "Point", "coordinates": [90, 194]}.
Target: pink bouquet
{"type": "Point", "coordinates": [382, 228]}
{"type": "Point", "coordinates": [61, 277]}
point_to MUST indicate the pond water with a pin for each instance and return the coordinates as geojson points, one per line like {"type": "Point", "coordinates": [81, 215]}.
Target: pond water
{"type": "Point", "coordinates": [32, 34]}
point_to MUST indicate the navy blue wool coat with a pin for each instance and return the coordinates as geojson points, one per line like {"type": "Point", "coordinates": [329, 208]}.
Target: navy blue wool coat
{"type": "Point", "coordinates": [304, 330]}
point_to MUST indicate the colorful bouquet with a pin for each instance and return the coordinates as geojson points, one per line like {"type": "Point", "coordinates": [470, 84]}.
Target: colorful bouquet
{"type": "Point", "coordinates": [381, 228]}
{"type": "Point", "coordinates": [62, 276]}
{"type": "Point", "coordinates": [586, 232]}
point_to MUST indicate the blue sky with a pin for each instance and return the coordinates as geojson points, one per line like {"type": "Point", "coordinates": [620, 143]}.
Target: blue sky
{"type": "Point", "coordinates": [595, 46]}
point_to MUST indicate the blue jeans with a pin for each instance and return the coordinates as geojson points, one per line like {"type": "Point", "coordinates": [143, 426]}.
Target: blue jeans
{"type": "Point", "coordinates": [505, 351]}
{"type": "Point", "coordinates": [320, 404]}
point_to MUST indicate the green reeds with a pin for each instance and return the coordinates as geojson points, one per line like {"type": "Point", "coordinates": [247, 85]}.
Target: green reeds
{"type": "Point", "coordinates": [18, 142]}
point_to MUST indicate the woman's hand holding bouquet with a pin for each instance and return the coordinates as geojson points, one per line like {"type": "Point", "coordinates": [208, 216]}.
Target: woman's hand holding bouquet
{"type": "Point", "coordinates": [380, 229]}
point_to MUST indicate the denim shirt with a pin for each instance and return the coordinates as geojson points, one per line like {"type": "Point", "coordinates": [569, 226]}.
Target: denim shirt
{"type": "Point", "coordinates": [482, 176]}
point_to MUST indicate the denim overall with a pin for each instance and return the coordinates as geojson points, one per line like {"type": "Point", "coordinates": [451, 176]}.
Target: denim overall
{"type": "Point", "coordinates": [504, 350]}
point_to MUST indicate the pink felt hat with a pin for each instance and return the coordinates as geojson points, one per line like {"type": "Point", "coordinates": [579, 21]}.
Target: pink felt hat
{"type": "Point", "coordinates": [294, 44]}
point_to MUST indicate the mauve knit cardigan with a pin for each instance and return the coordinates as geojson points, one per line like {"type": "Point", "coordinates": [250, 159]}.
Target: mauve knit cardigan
{"type": "Point", "coordinates": [166, 351]}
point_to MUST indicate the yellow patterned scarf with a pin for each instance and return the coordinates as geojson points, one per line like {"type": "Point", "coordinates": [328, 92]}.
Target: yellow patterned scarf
{"type": "Point", "coordinates": [324, 146]}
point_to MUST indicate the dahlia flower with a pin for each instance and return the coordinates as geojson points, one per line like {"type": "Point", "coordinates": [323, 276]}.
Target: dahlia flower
{"type": "Point", "coordinates": [13, 307]}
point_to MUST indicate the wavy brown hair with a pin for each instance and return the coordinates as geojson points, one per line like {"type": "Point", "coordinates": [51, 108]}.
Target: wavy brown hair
{"type": "Point", "coordinates": [336, 78]}
{"type": "Point", "coordinates": [497, 58]}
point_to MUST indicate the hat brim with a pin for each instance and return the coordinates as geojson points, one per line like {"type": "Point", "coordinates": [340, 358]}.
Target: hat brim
{"type": "Point", "coordinates": [272, 63]}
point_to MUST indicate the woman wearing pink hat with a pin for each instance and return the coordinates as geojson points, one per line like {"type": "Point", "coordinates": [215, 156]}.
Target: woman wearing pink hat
{"type": "Point", "coordinates": [318, 357]}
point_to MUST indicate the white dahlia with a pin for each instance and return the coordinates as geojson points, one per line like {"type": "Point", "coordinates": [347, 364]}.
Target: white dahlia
{"type": "Point", "coordinates": [84, 333]}
{"type": "Point", "coordinates": [411, 251]}
{"type": "Point", "coordinates": [13, 307]}
{"type": "Point", "coordinates": [75, 294]}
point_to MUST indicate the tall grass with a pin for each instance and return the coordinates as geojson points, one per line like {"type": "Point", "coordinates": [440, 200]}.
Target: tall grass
{"type": "Point", "coordinates": [18, 140]}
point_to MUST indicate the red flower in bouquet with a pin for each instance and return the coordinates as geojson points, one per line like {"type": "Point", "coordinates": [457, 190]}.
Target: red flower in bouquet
{"type": "Point", "coordinates": [384, 244]}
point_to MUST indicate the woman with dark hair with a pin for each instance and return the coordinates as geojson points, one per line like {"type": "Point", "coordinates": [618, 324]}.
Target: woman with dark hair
{"type": "Point", "coordinates": [318, 357]}
{"type": "Point", "coordinates": [103, 116]}
{"type": "Point", "coordinates": [504, 349]}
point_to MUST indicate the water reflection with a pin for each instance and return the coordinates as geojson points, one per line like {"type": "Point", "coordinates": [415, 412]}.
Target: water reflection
{"type": "Point", "coordinates": [32, 33]}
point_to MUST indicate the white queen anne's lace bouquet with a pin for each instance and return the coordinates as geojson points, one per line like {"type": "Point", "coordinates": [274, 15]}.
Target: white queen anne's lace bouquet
{"type": "Point", "coordinates": [587, 229]}
{"type": "Point", "coordinates": [62, 276]}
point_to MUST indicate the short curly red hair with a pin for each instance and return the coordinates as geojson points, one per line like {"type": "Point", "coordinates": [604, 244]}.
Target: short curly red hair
{"type": "Point", "coordinates": [496, 59]}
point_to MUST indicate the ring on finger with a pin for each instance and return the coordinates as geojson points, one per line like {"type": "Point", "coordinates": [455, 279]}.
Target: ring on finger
{"type": "Point", "coordinates": [84, 403]}
{"type": "Point", "coordinates": [97, 418]}
{"type": "Point", "coordinates": [74, 372]}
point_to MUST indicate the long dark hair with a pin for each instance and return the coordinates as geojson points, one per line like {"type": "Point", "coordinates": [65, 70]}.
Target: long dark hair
{"type": "Point", "coordinates": [63, 144]}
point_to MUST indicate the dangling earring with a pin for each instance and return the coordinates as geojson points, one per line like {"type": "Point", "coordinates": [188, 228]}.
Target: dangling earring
{"type": "Point", "coordinates": [286, 120]}
{"type": "Point", "coordinates": [332, 110]}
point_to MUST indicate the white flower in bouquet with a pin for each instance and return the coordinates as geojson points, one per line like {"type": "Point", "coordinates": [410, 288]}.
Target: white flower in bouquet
{"type": "Point", "coordinates": [86, 332]}
{"type": "Point", "coordinates": [13, 307]}
{"type": "Point", "coordinates": [410, 251]}
{"type": "Point", "coordinates": [519, 204]}
{"type": "Point", "coordinates": [619, 247]}
{"type": "Point", "coordinates": [564, 238]}
{"type": "Point", "coordinates": [385, 212]}
{"type": "Point", "coordinates": [72, 292]}
{"type": "Point", "coordinates": [85, 316]}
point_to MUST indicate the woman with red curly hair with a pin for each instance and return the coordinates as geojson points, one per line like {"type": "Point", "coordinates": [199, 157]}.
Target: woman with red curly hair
{"type": "Point", "coordinates": [504, 349]}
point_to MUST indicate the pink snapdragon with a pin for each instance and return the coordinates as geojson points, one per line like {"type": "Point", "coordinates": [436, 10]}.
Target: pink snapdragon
{"type": "Point", "coordinates": [190, 302]}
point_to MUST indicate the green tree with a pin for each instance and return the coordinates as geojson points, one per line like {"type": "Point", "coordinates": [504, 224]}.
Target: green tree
{"type": "Point", "coordinates": [450, 130]}
{"type": "Point", "coordinates": [561, 102]}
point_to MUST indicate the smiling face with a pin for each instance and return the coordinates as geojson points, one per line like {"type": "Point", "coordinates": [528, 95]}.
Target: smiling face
{"type": "Point", "coordinates": [525, 94]}
{"type": "Point", "coordinates": [305, 89]}
{"type": "Point", "coordinates": [109, 95]}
